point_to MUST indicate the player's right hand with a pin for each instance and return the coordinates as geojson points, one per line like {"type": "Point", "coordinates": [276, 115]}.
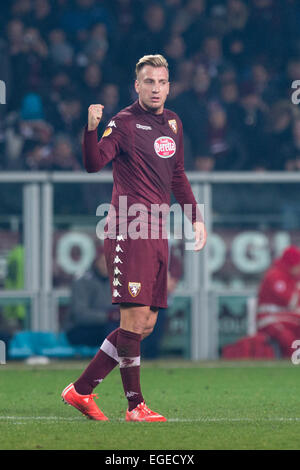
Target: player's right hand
{"type": "Point", "coordinates": [94, 116]}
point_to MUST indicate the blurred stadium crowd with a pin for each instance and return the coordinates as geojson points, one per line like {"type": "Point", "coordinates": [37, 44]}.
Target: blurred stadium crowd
{"type": "Point", "coordinates": [232, 63]}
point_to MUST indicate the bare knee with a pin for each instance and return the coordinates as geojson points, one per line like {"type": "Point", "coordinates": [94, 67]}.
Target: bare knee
{"type": "Point", "coordinates": [134, 318]}
{"type": "Point", "coordinates": [151, 322]}
{"type": "Point", "coordinates": [147, 332]}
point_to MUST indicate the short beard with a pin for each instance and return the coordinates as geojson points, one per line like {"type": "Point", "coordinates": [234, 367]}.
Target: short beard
{"type": "Point", "coordinates": [150, 108]}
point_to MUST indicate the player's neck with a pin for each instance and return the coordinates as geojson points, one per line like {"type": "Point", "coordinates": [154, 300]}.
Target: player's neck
{"type": "Point", "coordinates": [157, 112]}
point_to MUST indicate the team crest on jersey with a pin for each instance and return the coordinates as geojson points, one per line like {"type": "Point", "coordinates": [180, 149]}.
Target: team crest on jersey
{"type": "Point", "coordinates": [165, 147]}
{"type": "Point", "coordinates": [173, 125]}
{"type": "Point", "coordinates": [134, 288]}
{"type": "Point", "coordinates": [107, 132]}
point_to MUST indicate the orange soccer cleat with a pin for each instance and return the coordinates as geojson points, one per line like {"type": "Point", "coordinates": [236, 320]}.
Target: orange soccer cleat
{"type": "Point", "coordinates": [143, 413]}
{"type": "Point", "coordinates": [83, 403]}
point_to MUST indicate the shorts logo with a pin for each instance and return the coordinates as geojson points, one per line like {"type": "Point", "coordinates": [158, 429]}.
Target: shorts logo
{"type": "Point", "coordinates": [165, 147]}
{"type": "Point", "coordinates": [116, 282]}
{"type": "Point", "coordinates": [107, 132]}
{"type": "Point", "coordinates": [173, 125]}
{"type": "Point", "coordinates": [134, 288]}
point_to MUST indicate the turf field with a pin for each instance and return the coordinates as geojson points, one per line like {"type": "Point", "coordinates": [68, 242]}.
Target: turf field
{"type": "Point", "coordinates": [211, 405]}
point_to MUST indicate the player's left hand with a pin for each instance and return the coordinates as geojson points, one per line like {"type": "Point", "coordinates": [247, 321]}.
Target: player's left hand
{"type": "Point", "coordinates": [200, 235]}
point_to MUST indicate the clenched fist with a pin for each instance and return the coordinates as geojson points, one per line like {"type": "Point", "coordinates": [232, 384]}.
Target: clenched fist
{"type": "Point", "coordinates": [94, 116]}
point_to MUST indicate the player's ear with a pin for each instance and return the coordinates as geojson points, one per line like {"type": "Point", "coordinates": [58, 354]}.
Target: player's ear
{"type": "Point", "coordinates": [136, 86]}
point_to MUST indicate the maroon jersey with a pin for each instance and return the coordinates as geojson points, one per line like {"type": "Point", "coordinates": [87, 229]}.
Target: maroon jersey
{"type": "Point", "coordinates": [147, 155]}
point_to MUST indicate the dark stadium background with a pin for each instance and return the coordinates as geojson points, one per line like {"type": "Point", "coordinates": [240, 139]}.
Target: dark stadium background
{"type": "Point", "coordinates": [232, 65]}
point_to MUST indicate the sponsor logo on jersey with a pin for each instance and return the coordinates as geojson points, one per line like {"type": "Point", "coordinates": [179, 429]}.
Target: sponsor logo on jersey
{"type": "Point", "coordinates": [112, 124]}
{"type": "Point", "coordinates": [145, 128]}
{"type": "Point", "coordinates": [173, 125]}
{"type": "Point", "coordinates": [107, 132]}
{"type": "Point", "coordinates": [134, 288]}
{"type": "Point", "coordinates": [165, 147]}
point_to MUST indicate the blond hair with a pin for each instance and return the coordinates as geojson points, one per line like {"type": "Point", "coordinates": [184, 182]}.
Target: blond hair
{"type": "Point", "coordinates": [155, 60]}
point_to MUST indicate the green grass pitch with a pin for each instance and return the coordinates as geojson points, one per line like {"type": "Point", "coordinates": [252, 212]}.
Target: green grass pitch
{"type": "Point", "coordinates": [211, 405]}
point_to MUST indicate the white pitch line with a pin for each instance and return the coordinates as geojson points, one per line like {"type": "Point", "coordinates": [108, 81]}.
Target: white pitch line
{"type": "Point", "coordinates": [18, 419]}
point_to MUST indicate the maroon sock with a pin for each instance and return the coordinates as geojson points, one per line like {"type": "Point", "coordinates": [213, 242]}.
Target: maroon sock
{"type": "Point", "coordinates": [100, 366]}
{"type": "Point", "coordinates": [128, 348]}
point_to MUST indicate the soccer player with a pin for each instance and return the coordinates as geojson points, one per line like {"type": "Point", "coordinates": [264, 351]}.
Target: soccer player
{"type": "Point", "coordinates": [145, 144]}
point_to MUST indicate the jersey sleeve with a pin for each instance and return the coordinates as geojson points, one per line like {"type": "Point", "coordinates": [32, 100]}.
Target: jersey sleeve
{"type": "Point", "coordinates": [98, 154]}
{"type": "Point", "coordinates": [181, 187]}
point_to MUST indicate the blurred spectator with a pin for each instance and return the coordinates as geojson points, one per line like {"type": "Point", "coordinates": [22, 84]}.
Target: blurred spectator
{"type": "Point", "coordinates": [279, 135]}
{"type": "Point", "coordinates": [60, 50]}
{"type": "Point", "coordinates": [253, 127]}
{"type": "Point", "coordinates": [69, 117]}
{"type": "Point", "coordinates": [32, 107]}
{"type": "Point", "coordinates": [21, 137]}
{"type": "Point", "coordinates": [5, 76]}
{"type": "Point", "coordinates": [290, 161]}
{"type": "Point", "coordinates": [82, 14]}
{"type": "Point", "coordinates": [91, 312]}
{"type": "Point", "coordinates": [235, 40]}
{"type": "Point", "coordinates": [235, 50]}
{"type": "Point", "coordinates": [110, 98]}
{"type": "Point", "coordinates": [154, 33]}
{"type": "Point", "coordinates": [29, 60]}
{"type": "Point", "coordinates": [225, 147]}
{"type": "Point", "coordinates": [237, 15]}
{"type": "Point", "coordinates": [174, 51]}
{"type": "Point", "coordinates": [190, 22]}
{"type": "Point", "coordinates": [62, 87]}
{"type": "Point", "coordinates": [96, 46]}
{"type": "Point", "coordinates": [262, 83]}
{"type": "Point", "coordinates": [21, 9]}
{"type": "Point", "coordinates": [211, 55]}
{"type": "Point", "coordinates": [292, 71]}
{"type": "Point", "coordinates": [183, 78]}
{"type": "Point", "coordinates": [43, 16]}
{"type": "Point", "coordinates": [125, 12]}
{"type": "Point", "coordinates": [292, 149]}
{"type": "Point", "coordinates": [278, 314]}
{"type": "Point", "coordinates": [229, 96]}
{"type": "Point", "coordinates": [191, 104]}
{"type": "Point", "coordinates": [63, 155]}
{"type": "Point", "coordinates": [15, 34]}
{"type": "Point", "coordinates": [92, 80]}
{"type": "Point", "coordinates": [13, 317]}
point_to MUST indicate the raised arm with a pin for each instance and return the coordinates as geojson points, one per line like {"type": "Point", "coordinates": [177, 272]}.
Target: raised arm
{"type": "Point", "coordinates": [97, 154]}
